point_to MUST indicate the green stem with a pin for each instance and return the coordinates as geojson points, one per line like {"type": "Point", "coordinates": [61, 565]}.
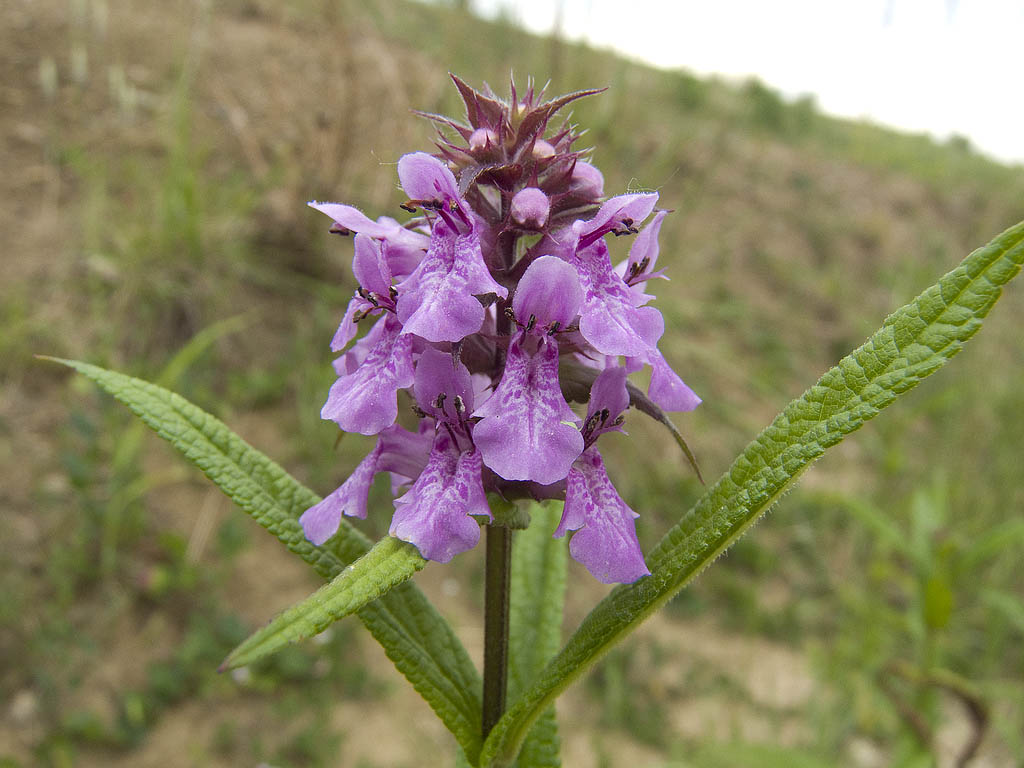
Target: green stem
{"type": "Point", "coordinates": [496, 586]}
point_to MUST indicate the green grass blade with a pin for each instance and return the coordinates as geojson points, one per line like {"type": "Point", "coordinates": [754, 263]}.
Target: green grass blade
{"type": "Point", "coordinates": [387, 565]}
{"type": "Point", "coordinates": [419, 642]}
{"type": "Point", "coordinates": [539, 566]}
{"type": "Point", "coordinates": [912, 344]}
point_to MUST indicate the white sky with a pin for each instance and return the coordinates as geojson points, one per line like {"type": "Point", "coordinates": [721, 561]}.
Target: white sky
{"type": "Point", "coordinates": [941, 66]}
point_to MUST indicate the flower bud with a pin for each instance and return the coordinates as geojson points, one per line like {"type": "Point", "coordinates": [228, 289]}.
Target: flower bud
{"type": "Point", "coordinates": [482, 138]}
{"type": "Point", "coordinates": [530, 208]}
{"type": "Point", "coordinates": [587, 181]}
{"type": "Point", "coordinates": [542, 149]}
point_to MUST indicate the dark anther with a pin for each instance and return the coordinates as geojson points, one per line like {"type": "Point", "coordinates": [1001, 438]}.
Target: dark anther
{"type": "Point", "coordinates": [510, 314]}
{"type": "Point", "coordinates": [632, 230]}
{"type": "Point", "coordinates": [360, 315]}
{"type": "Point", "coordinates": [393, 293]}
{"type": "Point", "coordinates": [339, 230]}
{"type": "Point", "coordinates": [439, 401]}
{"type": "Point", "coordinates": [619, 421]}
{"type": "Point", "coordinates": [531, 322]}
{"type": "Point", "coordinates": [362, 293]}
{"type": "Point", "coordinates": [605, 413]}
{"type": "Point", "coordinates": [372, 298]}
{"type": "Point", "coordinates": [460, 406]}
{"type": "Point", "coordinates": [419, 411]}
{"type": "Point", "coordinates": [627, 222]}
{"type": "Point", "coordinates": [645, 262]}
{"type": "Point", "coordinates": [553, 329]}
{"type": "Point", "coordinates": [590, 425]}
{"type": "Point", "coordinates": [408, 207]}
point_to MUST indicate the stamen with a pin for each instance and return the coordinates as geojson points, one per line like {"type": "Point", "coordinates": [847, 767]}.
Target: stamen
{"type": "Point", "coordinates": [393, 293]}
{"type": "Point", "coordinates": [408, 206]}
{"type": "Point", "coordinates": [439, 401]}
{"type": "Point", "coordinates": [605, 413]}
{"type": "Point", "coordinates": [419, 411]}
{"type": "Point", "coordinates": [460, 406]}
{"type": "Point", "coordinates": [553, 328]}
{"type": "Point", "coordinates": [337, 229]}
{"type": "Point", "coordinates": [530, 323]}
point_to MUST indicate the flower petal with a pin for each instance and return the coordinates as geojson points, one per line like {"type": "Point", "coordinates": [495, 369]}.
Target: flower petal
{"type": "Point", "coordinates": [369, 266]}
{"type": "Point", "coordinates": [321, 521]}
{"type": "Point", "coordinates": [435, 513]}
{"type": "Point", "coordinates": [437, 374]}
{"type": "Point", "coordinates": [438, 300]}
{"type": "Point", "coordinates": [365, 398]}
{"type": "Point", "coordinates": [424, 177]}
{"type": "Point", "coordinates": [524, 434]}
{"type": "Point", "coordinates": [605, 540]}
{"type": "Point", "coordinates": [635, 207]}
{"type": "Point", "coordinates": [550, 291]}
{"type": "Point", "coordinates": [646, 244]}
{"type": "Point", "coordinates": [608, 392]}
{"type": "Point", "coordinates": [667, 390]}
{"type": "Point", "coordinates": [608, 319]}
{"type": "Point", "coordinates": [347, 329]}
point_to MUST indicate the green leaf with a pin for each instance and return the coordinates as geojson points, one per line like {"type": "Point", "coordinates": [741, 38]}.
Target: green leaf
{"type": "Point", "coordinates": [387, 565]}
{"type": "Point", "coordinates": [419, 642]}
{"type": "Point", "coordinates": [539, 566]}
{"type": "Point", "coordinates": [912, 344]}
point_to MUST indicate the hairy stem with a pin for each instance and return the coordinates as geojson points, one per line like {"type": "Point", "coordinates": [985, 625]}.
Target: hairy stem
{"type": "Point", "coordinates": [499, 561]}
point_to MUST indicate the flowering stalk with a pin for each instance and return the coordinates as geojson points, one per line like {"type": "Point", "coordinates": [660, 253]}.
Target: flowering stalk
{"type": "Point", "coordinates": [501, 279]}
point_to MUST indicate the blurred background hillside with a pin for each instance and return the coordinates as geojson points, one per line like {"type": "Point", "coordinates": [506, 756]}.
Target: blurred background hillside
{"type": "Point", "coordinates": [157, 160]}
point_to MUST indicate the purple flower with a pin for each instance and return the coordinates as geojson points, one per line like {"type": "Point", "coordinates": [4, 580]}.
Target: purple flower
{"type": "Point", "coordinates": [398, 451]}
{"type": "Point", "coordinates": [435, 513]}
{"type": "Point", "coordinates": [605, 540]}
{"type": "Point", "coordinates": [528, 431]}
{"type": "Point", "coordinates": [364, 399]}
{"type": "Point", "coordinates": [438, 300]}
{"type": "Point", "coordinates": [475, 324]}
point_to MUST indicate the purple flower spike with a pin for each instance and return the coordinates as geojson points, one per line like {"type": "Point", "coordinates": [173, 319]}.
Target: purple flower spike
{"type": "Point", "coordinates": [530, 208]}
{"type": "Point", "coordinates": [527, 430]}
{"type": "Point", "coordinates": [476, 298]}
{"type": "Point", "coordinates": [424, 178]}
{"type": "Point", "coordinates": [605, 540]}
{"type": "Point", "coordinates": [548, 291]}
{"type": "Point", "coordinates": [438, 301]}
{"type": "Point", "coordinates": [435, 513]}
{"type": "Point", "coordinates": [365, 400]}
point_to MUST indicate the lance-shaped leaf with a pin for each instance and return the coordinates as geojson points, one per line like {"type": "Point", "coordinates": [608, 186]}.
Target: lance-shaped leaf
{"type": "Point", "coordinates": [387, 565]}
{"type": "Point", "coordinates": [539, 566]}
{"type": "Point", "coordinates": [419, 642]}
{"type": "Point", "coordinates": [913, 343]}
